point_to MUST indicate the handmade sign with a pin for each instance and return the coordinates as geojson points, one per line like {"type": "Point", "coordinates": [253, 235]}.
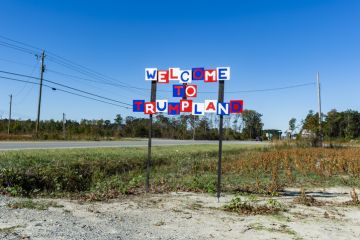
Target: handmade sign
{"type": "Point", "coordinates": [185, 90]}
{"type": "Point", "coordinates": [187, 76]}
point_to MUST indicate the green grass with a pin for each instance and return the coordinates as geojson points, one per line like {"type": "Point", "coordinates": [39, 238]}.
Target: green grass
{"type": "Point", "coordinates": [282, 229]}
{"type": "Point", "coordinates": [250, 206]}
{"type": "Point", "coordinates": [100, 170]}
{"type": "Point", "coordinates": [30, 204]}
{"type": "Point", "coordinates": [109, 172]}
{"type": "Point", "coordinates": [9, 229]}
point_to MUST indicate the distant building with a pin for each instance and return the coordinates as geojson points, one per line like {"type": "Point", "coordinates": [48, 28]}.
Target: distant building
{"type": "Point", "coordinates": [307, 134]}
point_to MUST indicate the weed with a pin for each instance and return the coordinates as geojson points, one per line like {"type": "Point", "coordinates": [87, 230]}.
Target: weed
{"type": "Point", "coordinates": [195, 206]}
{"type": "Point", "coordinates": [354, 198]}
{"type": "Point", "coordinates": [306, 200]}
{"type": "Point", "coordinates": [9, 229]}
{"type": "Point", "coordinates": [281, 229]}
{"type": "Point", "coordinates": [160, 223]}
{"type": "Point", "coordinates": [273, 203]}
{"type": "Point", "coordinates": [30, 204]}
{"type": "Point", "coordinates": [247, 207]}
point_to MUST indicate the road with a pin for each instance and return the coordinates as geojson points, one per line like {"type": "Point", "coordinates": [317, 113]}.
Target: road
{"type": "Point", "coordinates": [106, 144]}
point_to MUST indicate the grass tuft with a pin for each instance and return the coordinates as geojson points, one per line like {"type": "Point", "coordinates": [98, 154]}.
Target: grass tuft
{"type": "Point", "coordinates": [252, 207]}
{"type": "Point", "coordinates": [30, 204]}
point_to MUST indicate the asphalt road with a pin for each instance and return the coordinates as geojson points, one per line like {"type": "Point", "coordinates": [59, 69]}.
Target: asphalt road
{"type": "Point", "coordinates": [4, 146]}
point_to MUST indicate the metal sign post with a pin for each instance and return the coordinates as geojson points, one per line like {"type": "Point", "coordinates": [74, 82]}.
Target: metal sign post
{"type": "Point", "coordinates": [148, 162]}
{"type": "Point", "coordinates": [220, 99]}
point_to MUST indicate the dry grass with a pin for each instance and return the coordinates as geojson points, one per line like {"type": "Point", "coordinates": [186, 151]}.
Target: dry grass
{"type": "Point", "coordinates": [354, 198]}
{"type": "Point", "coordinates": [306, 200]}
{"type": "Point", "coordinates": [99, 174]}
{"type": "Point", "coordinates": [323, 162]}
{"type": "Point", "coordinates": [296, 166]}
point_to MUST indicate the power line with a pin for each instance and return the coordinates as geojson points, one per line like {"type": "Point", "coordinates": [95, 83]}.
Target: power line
{"type": "Point", "coordinates": [65, 62]}
{"type": "Point", "coordinates": [82, 69]}
{"type": "Point", "coordinates": [15, 62]}
{"type": "Point", "coordinates": [120, 86]}
{"type": "Point", "coordinates": [91, 80]}
{"type": "Point", "coordinates": [112, 81]}
{"type": "Point", "coordinates": [269, 89]}
{"type": "Point", "coordinates": [9, 45]}
{"type": "Point", "coordinates": [80, 95]}
{"type": "Point", "coordinates": [22, 89]}
{"type": "Point", "coordinates": [229, 92]}
{"type": "Point", "coordinates": [62, 90]}
{"type": "Point", "coordinates": [22, 43]}
{"type": "Point", "coordinates": [101, 78]}
{"type": "Point", "coordinates": [92, 94]}
{"type": "Point", "coordinates": [117, 85]}
{"type": "Point", "coordinates": [65, 86]}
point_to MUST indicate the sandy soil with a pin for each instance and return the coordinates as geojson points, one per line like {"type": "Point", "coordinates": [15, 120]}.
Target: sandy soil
{"type": "Point", "coordinates": [182, 216]}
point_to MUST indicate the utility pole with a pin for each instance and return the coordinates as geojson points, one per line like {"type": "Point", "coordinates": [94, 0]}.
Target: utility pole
{"type": "Point", "coordinates": [64, 130]}
{"type": "Point", "coordinates": [319, 108]}
{"type": "Point", "coordinates": [42, 70]}
{"type": "Point", "coordinates": [10, 114]}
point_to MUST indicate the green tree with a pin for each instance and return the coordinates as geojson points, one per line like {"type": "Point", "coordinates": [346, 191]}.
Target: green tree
{"type": "Point", "coordinates": [292, 126]}
{"type": "Point", "coordinates": [252, 124]}
{"type": "Point", "coordinates": [311, 122]}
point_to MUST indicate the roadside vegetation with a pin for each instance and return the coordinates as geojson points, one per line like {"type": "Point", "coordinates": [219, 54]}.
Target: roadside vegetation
{"type": "Point", "coordinates": [338, 127]}
{"type": "Point", "coordinates": [31, 204]}
{"type": "Point", "coordinates": [98, 174]}
{"type": "Point", "coordinates": [251, 205]}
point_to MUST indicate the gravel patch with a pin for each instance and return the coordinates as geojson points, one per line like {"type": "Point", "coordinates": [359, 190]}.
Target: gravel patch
{"type": "Point", "coordinates": [179, 216]}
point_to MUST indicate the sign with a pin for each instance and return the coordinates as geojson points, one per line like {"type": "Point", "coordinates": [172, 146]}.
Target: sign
{"type": "Point", "coordinates": [187, 91]}
{"type": "Point", "coordinates": [187, 76]}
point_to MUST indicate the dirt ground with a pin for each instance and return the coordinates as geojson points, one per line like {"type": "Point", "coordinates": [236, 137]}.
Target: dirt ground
{"type": "Point", "coordinates": [182, 216]}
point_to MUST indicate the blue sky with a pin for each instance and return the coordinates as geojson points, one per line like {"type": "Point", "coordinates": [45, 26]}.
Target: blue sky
{"type": "Point", "coordinates": [267, 44]}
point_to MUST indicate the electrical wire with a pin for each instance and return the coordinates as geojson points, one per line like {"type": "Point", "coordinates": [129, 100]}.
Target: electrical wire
{"type": "Point", "coordinates": [100, 78]}
{"type": "Point", "coordinates": [64, 62]}
{"type": "Point", "coordinates": [112, 81]}
{"type": "Point", "coordinates": [91, 80]}
{"type": "Point", "coordinates": [25, 50]}
{"type": "Point", "coordinates": [65, 86]}
{"type": "Point", "coordinates": [15, 62]}
{"type": "Point", "coordinates": [62, 90]}
{"type": "Point", "coordinates": [18, 42]}
{"type": "Point", "coordinates": [268, 89]}
{"type": "Point", "coordinates": [24, 86]}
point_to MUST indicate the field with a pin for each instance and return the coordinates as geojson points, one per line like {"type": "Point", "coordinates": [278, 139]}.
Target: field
{"type": "Point", "coordinates": [269, 192]}
{"type": "Point", "coordinates": [107, 173]}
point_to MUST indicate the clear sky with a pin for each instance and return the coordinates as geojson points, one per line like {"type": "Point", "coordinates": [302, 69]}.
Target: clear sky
{"type": "Point", "coordinates": [267, 44]}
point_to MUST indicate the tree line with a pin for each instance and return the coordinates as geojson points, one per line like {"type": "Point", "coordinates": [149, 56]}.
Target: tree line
{"type": "Point", "coordinates": [248, 125]}
{"type": "Point", "coordinates": [335, 125]}
{"type": "Point", "coordinates": [245, 126]}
